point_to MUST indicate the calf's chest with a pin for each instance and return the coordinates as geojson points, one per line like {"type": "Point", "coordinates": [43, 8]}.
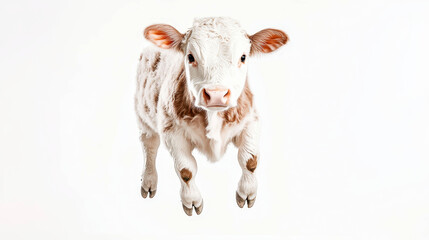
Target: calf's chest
{"type": "Point", "coordinates": [213, 137]}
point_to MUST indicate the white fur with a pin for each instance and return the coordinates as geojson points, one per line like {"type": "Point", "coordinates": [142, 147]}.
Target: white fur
{"type": "Point", "coordinates": [217, 45]}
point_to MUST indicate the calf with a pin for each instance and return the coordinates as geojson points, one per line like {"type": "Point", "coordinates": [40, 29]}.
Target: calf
{"type": "Point", "coordinates": [193, 93]}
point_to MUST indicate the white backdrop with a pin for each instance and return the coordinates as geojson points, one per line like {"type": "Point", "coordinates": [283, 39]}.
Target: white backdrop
{"type": "Point", "coordinates": [344, 109]}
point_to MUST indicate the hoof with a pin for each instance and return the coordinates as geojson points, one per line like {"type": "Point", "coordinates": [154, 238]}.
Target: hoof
{"type": "Point", "coordinates": [250, 202]}
{"type": "Point", "coordinates": [198, 210]}
{"type": "Point", "coordinates": [144, 193]}
{"type": "Point", "coordinates": [152, 193]}
{"type": "Point", "coordinates": [149, 183]}
{"type": "Point", "coordinates": [188, 211]}
{"type": "Point", "coordinates": [241, 201]}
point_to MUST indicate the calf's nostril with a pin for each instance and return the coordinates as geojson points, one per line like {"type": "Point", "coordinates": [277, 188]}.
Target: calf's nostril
{"type": "Point", "coordinates": [227, 94]}
{"type": "Point", "coordinates": [206, 95]}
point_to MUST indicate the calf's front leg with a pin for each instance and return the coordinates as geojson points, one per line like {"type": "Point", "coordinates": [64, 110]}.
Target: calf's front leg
{"type": "Point", "coordinates": [186, 168]}
{"type": "Point", "coordinates": [248, 152]}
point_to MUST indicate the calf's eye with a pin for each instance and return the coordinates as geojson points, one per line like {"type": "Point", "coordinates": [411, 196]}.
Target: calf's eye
{"type": "Point", "coordinates": [191, 58]}
{"type": "Point", "coordinates": [243, 58]}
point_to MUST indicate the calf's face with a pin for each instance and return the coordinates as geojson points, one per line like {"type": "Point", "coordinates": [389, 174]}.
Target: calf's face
{"type": "Point", "coordinates": [216, 51]}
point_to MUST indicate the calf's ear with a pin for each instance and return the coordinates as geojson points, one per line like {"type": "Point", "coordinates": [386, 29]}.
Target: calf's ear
{"type": "Point", "coordinates": [267, 40]}
{"type": "Point", "coordinates": [163, 36]}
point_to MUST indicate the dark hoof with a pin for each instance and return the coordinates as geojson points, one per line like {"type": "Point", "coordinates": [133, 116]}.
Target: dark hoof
{"type": "Point", "coordinates": [152, 193]}
{"type": "Point", "coordinates": [241, 201]}
{"type": "Point", "coordinates": [188, 211]}
{"type": "Point", "coordinates": [199, 209]}
{"type": "Point", "coordinates": [251, 202]}
{"type": "Point", "coordinates": [144, 193]}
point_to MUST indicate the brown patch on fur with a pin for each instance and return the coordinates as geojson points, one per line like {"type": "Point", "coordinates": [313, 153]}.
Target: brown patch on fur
{"type": "Point", "coordinates": [156, 98]}
{"type": "Point", "coordinates": [168, 126]}
{"type": "Point", "coordinates": [168, 120]}
{"type": "Point", "coordinates": [141, 56]}
{"type": "Point", "coordinates": [144, 83]}
{"type": "Point", "coordinates": [186, 175]}
{"type": "Point", "coordinates": [156, 61]}
{"type": "Point", "coordinates": [267, 40]}
{"type": "Point", "coordinates": [244, 104]}
{"type": "Point", "coordinates": [252, 163]}
{"type": "Point", "coordinates": [146, 108]}
{"type": "Point", "coordinates": [183, 106]}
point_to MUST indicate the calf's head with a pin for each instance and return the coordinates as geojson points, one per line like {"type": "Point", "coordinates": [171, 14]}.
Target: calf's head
{"type": "Point", "coordinates": [215, 53]}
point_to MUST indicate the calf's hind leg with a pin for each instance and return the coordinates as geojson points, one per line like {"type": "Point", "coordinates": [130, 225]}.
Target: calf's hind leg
{"type": "Point", "coordinates": [150, 144]}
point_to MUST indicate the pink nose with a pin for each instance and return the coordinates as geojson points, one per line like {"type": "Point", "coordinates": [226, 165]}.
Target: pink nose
{"type": "Point", "coordinates": [216, 97]}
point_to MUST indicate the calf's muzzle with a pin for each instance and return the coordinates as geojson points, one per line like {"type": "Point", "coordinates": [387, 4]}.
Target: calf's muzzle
{"type": "Point", "coordinates": [218, 97]}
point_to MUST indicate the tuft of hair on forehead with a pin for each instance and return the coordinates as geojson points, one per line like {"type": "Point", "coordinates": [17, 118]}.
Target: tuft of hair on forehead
{"type": "Point", "coordinates": [223, 28]}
